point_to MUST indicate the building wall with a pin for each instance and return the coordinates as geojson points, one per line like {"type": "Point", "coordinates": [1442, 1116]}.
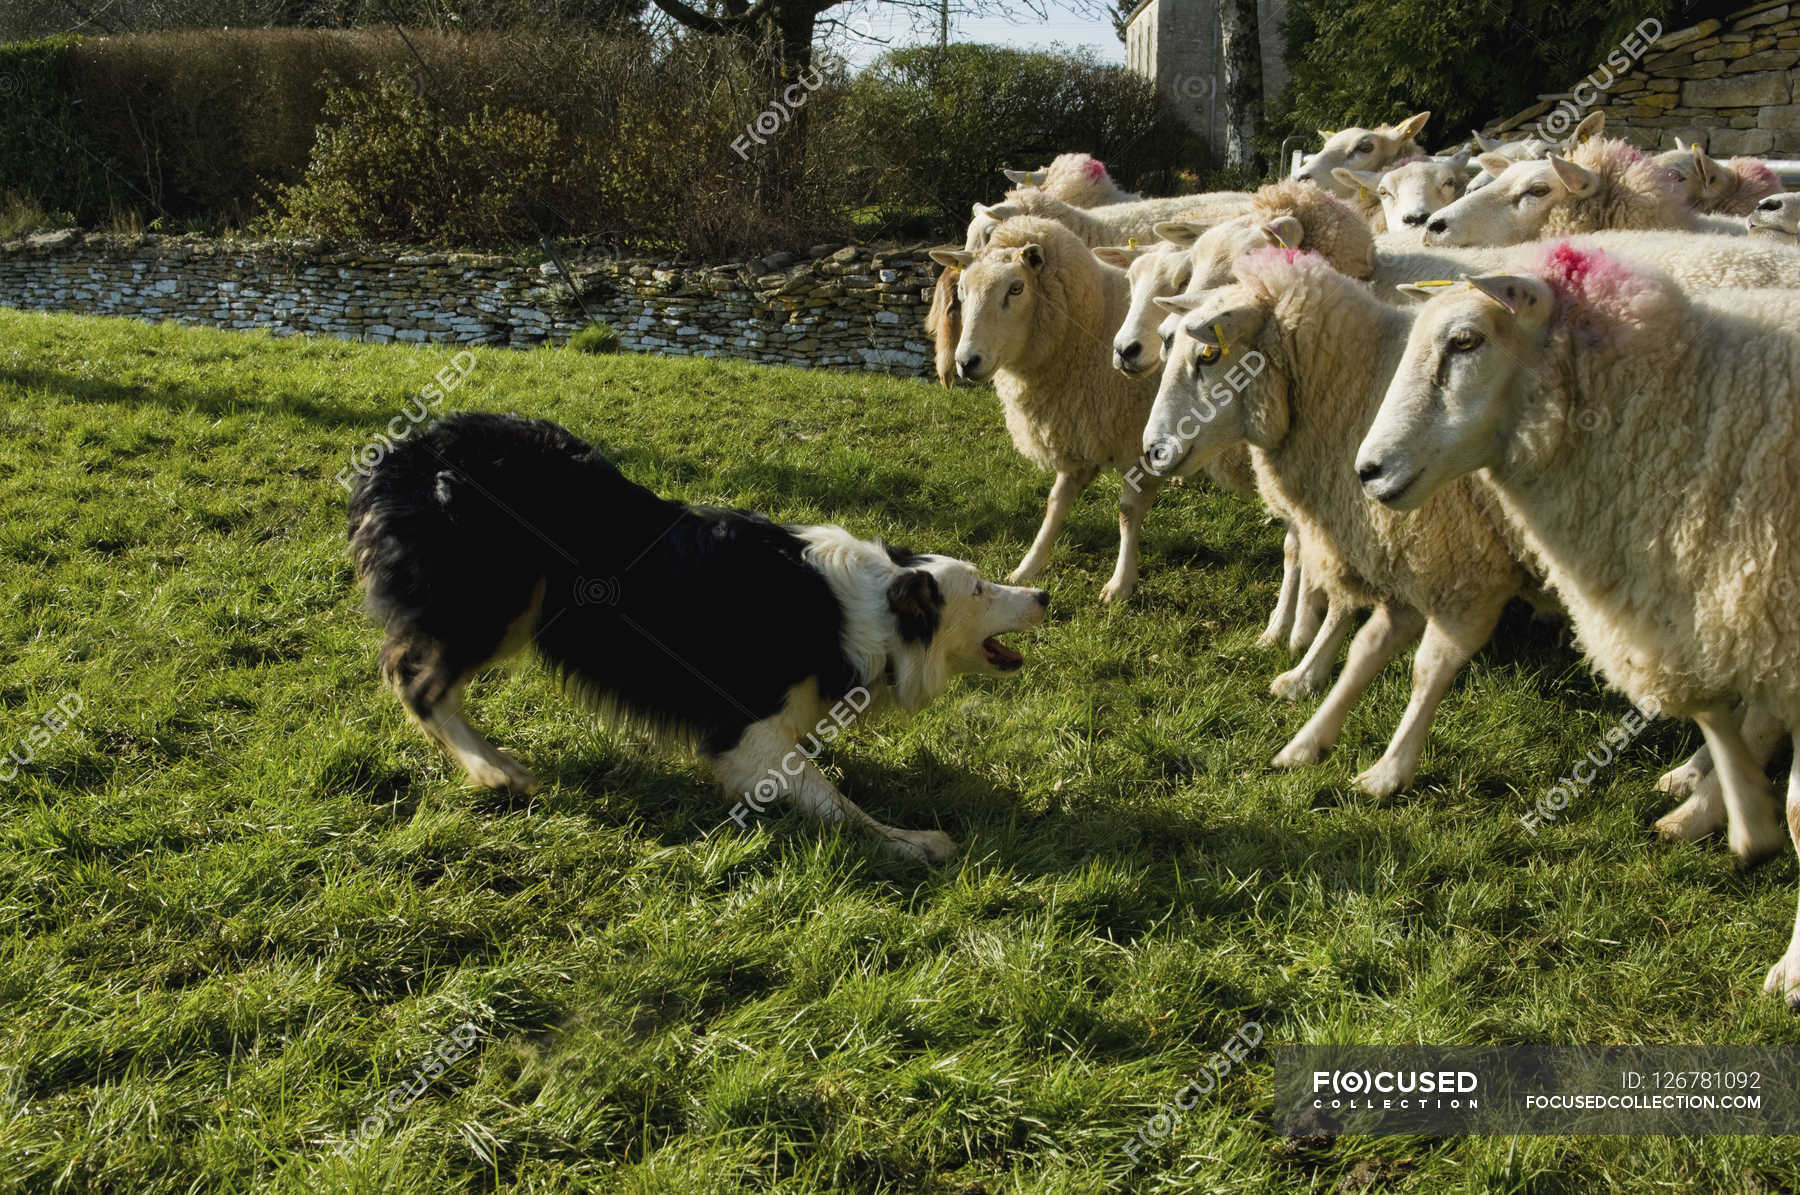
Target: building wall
{"type": "Point", "coordinates": [1176, 44]}
{"type": "Point", "coordinates": [857, 307]}
{"type": "Point", "coordinates": [1728, 85]}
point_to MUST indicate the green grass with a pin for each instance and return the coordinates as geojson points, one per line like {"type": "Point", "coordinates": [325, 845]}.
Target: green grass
{"type": "Point", "coordinates": [246, 898]}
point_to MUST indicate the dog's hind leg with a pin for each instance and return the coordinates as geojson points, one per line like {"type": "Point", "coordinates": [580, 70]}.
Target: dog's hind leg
{"type": "Point", "coordinates": [1134, 503]}
{"type": "Point", "coordinates": [768, 765]}
{"type": "Point", "coordinates": [1068, 487]}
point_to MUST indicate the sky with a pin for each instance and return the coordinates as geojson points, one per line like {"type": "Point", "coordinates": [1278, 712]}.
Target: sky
{"type": "Point", "coordinates": [891, 23]}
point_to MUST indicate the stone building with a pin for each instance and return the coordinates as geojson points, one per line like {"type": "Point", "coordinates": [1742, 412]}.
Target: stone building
{"type": "Point", "coordinates": [1729, 84]}
{"type": "Point", "coordinates": [1176, 44]}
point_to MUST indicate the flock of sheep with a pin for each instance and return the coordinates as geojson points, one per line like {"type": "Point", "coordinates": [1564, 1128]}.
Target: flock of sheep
{"type": "Point", "coordinates": [1564, 372]}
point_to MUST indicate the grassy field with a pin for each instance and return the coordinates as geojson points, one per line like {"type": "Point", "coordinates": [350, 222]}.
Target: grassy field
{"type": "Point", "coordinates": [244, 899]}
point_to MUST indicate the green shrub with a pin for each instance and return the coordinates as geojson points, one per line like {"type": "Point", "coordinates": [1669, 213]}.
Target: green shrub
{"type": "Point", "coordinates": [1469, 61]}
{"type": "Point", "coordinates": [597, 337]}
{"type": "Point", "coordinates": [931, 129]}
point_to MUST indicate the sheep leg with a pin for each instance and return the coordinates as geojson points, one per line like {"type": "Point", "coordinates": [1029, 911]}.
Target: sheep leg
{"type": "Point", "coordinates": [1784, 976]}
{"type": "Point", "coordinates": [1314, 607]}
{"type": "Point", "coordinates": [1068, 487]}
{"type": "Point", "coordinates": [1388, 630]}
{"type": "Point", "coordinates": [1704, 811]}
{"type": "Point", "coordinates": [1281, 621]}
{"type": "Point", "coordinates": [1750, 824]}
{"type": "Point", "coordinates": [1441, 655]}
{"type": "Point", "coordinates": [1134, 503]}
{"type": "Point", "coordinates": [1682, 780]}
{"type": "Point", "coordinates": [1314, 669]}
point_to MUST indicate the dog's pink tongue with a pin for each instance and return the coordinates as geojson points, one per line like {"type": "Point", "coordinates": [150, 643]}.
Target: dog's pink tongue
{"type": "Point", "coordinates": [1000, 655]}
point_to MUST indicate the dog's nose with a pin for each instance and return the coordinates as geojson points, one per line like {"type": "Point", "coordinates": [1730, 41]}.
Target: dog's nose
{"type": "Point", "coordinates": [1367, 471]}
{"type": "Point", "coordinates": [1414, 219]}
{"type": "Point", "coordinates": [968, 368]}
{"type": "Point", "coordinates": [1043, 597]}
{"type": "Point", "coordinates": [1439, 225]}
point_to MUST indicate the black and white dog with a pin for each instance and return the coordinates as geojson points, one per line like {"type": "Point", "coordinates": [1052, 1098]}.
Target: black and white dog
{"type": "Point", "coordinates": [488, 533]}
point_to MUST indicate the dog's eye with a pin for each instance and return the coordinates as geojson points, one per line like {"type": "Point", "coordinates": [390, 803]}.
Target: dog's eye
{"type": "Point", "coordinates": [1465, 339]}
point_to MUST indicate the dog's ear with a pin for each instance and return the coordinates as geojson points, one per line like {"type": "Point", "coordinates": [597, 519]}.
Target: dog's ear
{"type": "Point", "coordinates": [917, 603]}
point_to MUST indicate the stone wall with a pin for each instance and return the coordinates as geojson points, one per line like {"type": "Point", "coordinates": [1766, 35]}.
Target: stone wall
{"type": "Point", "coordinates": [851, 307]}
{"type": "Point", "coordinates": [1727, 84]}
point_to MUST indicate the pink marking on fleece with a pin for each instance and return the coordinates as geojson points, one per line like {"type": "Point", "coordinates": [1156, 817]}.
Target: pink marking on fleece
{"type": "Point", "coordinates": [1755, 173]}
{"type": "Point", "coordinates": [1601, 299]}
{"type": "Point", "coordinates": [1095, 169]}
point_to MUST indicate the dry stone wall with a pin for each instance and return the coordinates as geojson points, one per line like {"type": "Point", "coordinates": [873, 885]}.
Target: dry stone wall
{"type": "Point", "coordinates": [852, 307]}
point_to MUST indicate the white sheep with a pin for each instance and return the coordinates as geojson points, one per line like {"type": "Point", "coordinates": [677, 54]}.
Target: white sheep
{"type": "Point", "coordinates": [1037, 307]}
{"type": "Point", "coordinates": [1112, 224]}
{"type": "Point", "coordinates": [1401, 198]}
{"type": "Point", "coordinates": [1078, 179]}
{"type": "Point", "coordinates": [1776, 218]}
{"type": "Point", "coordinates": [1642, 439]}
{"type": "Point", "coordinates": [1724, 188]}
{"type": "Point", "coordinates": [1319, 350]}
{"type": "Point", "coordinates": [1490, 152]}
{"type": "Point", "coordinates": [1604, 184]}
{"type": "Point", "coordinates": [1358, 148]}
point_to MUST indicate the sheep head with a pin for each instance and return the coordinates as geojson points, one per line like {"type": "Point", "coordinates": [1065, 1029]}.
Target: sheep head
{"type": "Point", "coordinates": [1358, 148]}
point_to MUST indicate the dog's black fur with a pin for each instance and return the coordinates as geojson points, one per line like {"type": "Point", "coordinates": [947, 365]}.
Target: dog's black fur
{"type": "Point", "coordinates": [693, 619]}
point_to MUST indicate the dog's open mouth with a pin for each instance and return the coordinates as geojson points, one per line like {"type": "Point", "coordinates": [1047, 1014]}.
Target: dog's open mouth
{"type": "Point", "coordinates": [999, 656]}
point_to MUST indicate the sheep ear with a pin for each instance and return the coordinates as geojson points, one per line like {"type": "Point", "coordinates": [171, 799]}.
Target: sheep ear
{"type": "Point", "coordinates": [1181, 232]}
{"type": "Point", "coordinates": [1177, 304]}
{"type": "Point", "coordinates": [1458, 161]}
{"type": "Point", "coordinates": [1419, 292]}
{"type": "Point", "coordinates": [1032, 256]}
{"type": "Point", "coordinates": [1591, 125]}
{"type": "Point", "coordinates": [1327, 134]}
{"type": "Point", "coordinates": [1494, 164]}
{"type": "Point", "coordinates": [1227, 329]}
{"type": "Point", "coordinates": [1486, 144]}
{"type": "Point", "coordinates": [1285, 231]}
{"type": "Point", "coordinates": [1118, 255]}
{"type": "Point", "coordinates": [1356, 180]}
{"type": "Point", "coordinates": [956, 259]}
{"type": "Point", "coordinates": [1680, 145]}
{"type": "Point", "coordinates": [1579, 180]}
{"type": "Point", "coordinates": [1708, 168]}
{"type": "Point", "coordinates": [1411, 126]}
{"type": "Point", "coordinates": [1026, 178]}
{"type": "Point", "coordinates": [1526, 299]}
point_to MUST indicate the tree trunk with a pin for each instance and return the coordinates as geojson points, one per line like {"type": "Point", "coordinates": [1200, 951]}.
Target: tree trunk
{"type": "Point", "coordinates": [1239, 30]}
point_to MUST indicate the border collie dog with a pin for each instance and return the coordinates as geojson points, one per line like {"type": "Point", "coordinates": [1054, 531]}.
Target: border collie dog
{"type": "Point", "coordinates": [489, 533]}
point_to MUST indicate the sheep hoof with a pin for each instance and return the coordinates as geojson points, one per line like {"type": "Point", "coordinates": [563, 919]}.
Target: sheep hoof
{"type": "Point", "coordinates": [930, 847]}
{"type": "Point", "coordinates": [1028, 570]}
{"type": "Point", "coordinates": [1293, 685]}
{"type": "Point", "coordinates": [1755, 843]}
{"type": "Point", "coordinates": [1298, 754]}
{"type": "Point", "coordinates": [1117, 590]}
{"type": "Point", "coordinates": [1679, 782]}
{"type": "Point", "coordinates": [1694, 818]}
{"type": "Point", "coordinates": [1385, 779]}
{"type": "Point", "coordinates": [1784, 979]}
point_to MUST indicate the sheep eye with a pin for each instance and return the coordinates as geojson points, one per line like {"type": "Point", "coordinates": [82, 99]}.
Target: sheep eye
{"type": "Point", "coordinates": [1017, 288]}
{"type": "Point", "coordinates": [1539, 191]}
{"type": "Point", "coordinates": [1465, 339]}
{"type": "Point", "coordinates": [1208, 354]}
{"type": "Point", "coordinates": [1384, 193]}
{"type": "Point", "coordinates": [1364, 146]}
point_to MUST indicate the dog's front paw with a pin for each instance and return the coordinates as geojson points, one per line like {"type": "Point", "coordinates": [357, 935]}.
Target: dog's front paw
{"type": "Point", "coordinates": [504, 771]}
{"type": "Point", "coordinates": [930, 847]}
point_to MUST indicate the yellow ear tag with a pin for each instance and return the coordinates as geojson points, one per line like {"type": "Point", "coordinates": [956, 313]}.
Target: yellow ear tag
{"type": "Point", "coordinates": [1131, 244]}
{"type": "Point", "coordinates": [1224, 349]}
{"type": "Point", "coordinates": [1437, 282]}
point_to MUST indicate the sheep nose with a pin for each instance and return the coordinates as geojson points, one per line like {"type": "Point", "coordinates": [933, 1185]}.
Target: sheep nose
{"type": "Point", "coordinates": [1305, 176]}
{"type": "Point", "coordinates": [969, 366]}
{"type": "Point", "coordinates": [1769, 205]}
{"type": "Point", "coordinates": [1126, 356]}
{"type": "Point", "coordinates": [1414, 219]}
{"type": "Point", "coordinates": [1367, 471]}
{"type": "Point", "coordinates": [1439, 225]}
{"type": "Point", "coordinates": [1164, 454]}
